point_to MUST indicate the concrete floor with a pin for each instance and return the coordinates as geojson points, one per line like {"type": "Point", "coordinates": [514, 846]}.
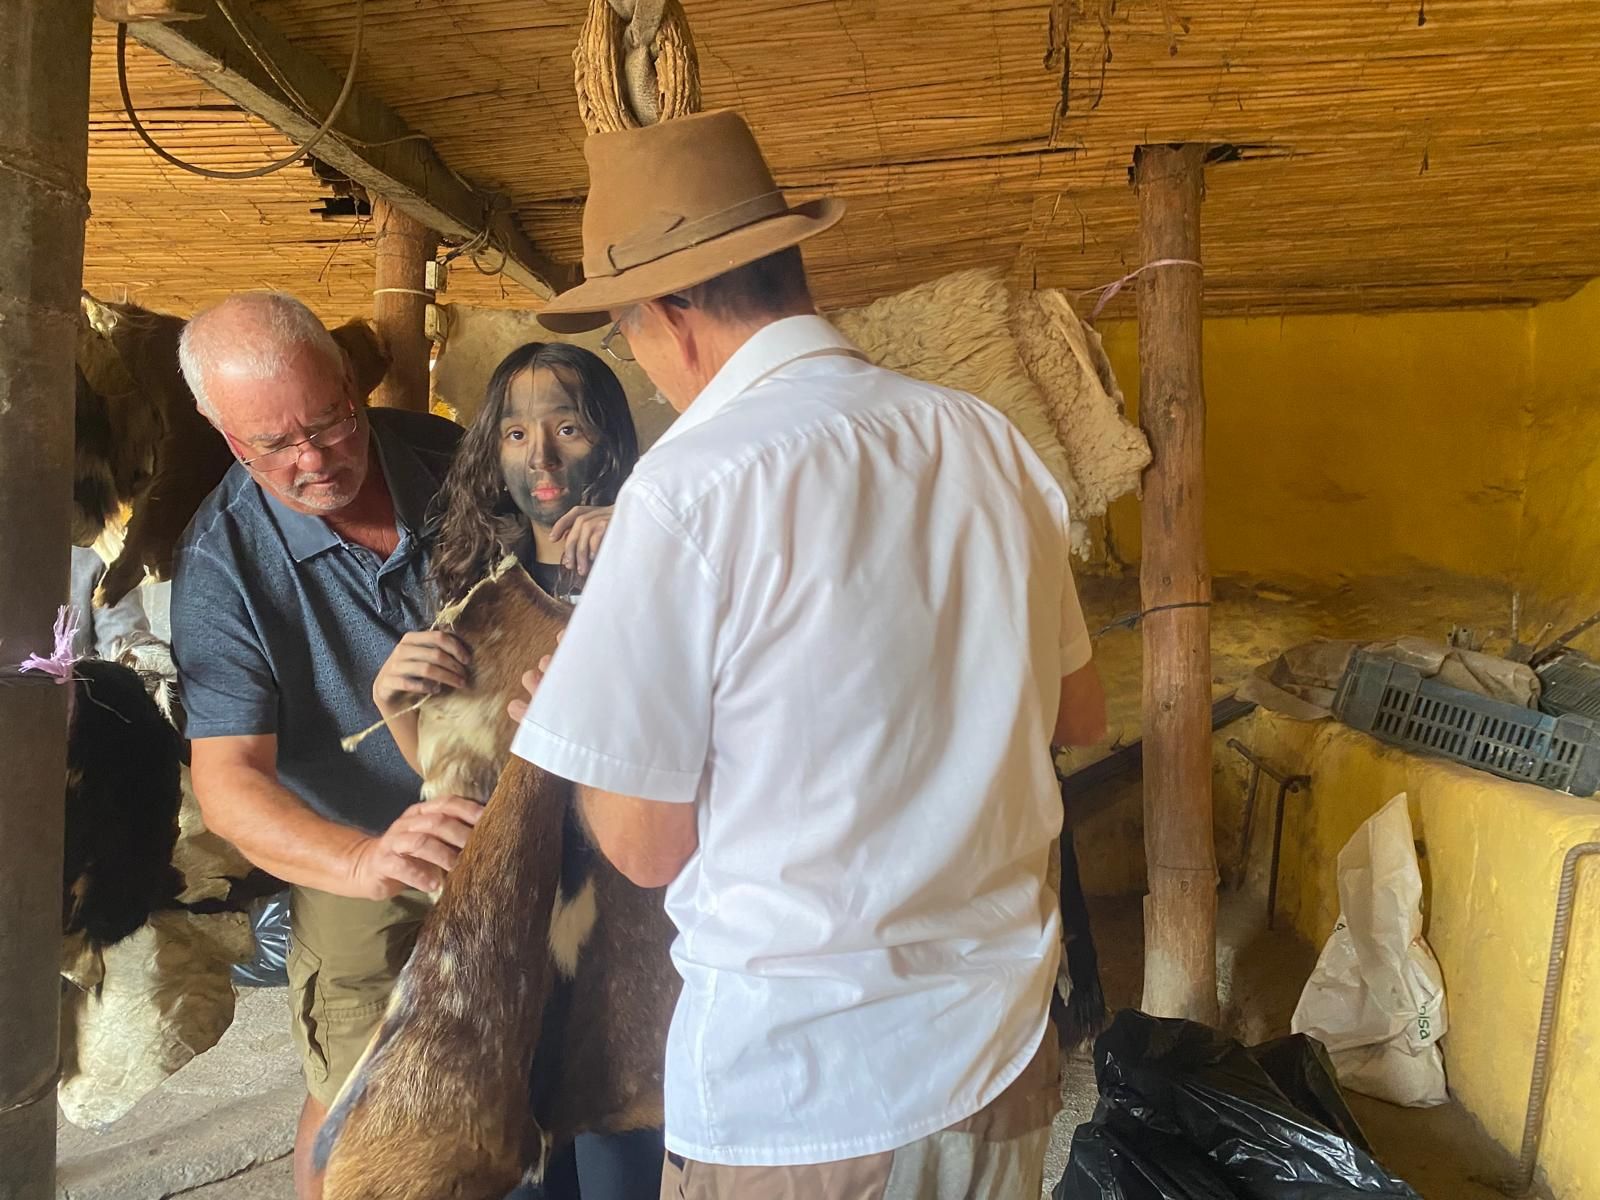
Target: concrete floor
{"type": "Point", "coordinates": [226, 1111]}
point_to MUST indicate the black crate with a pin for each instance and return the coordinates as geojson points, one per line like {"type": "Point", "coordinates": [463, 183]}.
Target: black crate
{"type": "Point", "coordinates": [1571, 685]}
{"type": "Point", "coordinates": [1394, 702]}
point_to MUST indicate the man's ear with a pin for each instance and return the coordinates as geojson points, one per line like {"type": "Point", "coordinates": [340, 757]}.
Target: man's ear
{"type": "Point", "coordinates": [678, 322]}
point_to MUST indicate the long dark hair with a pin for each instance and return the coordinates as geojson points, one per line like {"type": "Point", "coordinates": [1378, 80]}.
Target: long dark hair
{"type": "Point", "coordinates": [474, 521]}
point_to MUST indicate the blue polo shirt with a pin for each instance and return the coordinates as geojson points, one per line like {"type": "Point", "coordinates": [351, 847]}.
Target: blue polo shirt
{"type": "Point", "coordinates": [279, 625]}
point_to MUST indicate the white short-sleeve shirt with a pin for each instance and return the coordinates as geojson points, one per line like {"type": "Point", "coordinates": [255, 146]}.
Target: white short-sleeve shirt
{"type": "Point", "coordinates": [833, 611]}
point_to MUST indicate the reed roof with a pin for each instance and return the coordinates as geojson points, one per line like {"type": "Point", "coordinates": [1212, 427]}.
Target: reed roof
{"type": "Point", "coordinates": [1386, 153]}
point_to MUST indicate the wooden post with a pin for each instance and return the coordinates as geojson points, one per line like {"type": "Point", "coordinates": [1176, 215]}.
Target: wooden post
{"type": "Point", "coordinates": [403, 247]}
{"type": "Point", "coordinates": [1180, 910]}
{"type": "Point", "coordinates": [44, 150]}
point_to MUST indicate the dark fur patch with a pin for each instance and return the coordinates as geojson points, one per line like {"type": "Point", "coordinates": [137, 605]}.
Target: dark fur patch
{"type": "Point", "coordinates": [1083, 1014]}
{"type": "Point", "coordinates": [122, 803]}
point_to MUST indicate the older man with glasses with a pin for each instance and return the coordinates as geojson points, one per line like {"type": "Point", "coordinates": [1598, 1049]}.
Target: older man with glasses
{"type": "Point", "coordinates": [293, 583]}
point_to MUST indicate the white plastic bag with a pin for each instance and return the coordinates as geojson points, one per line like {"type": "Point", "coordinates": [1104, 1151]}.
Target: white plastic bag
{"type": "Point", "coordinates": [1376, 998]}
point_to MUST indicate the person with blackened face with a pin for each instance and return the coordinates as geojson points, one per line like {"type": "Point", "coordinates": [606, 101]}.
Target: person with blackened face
{"type": "Point", "coordinates": [535, 476]}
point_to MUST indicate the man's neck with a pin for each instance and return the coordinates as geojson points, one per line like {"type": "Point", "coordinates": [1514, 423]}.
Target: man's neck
{"type": "Point", "coordinates": [721, 340]}
{"type": "Point", "coordinates": [369, 519]}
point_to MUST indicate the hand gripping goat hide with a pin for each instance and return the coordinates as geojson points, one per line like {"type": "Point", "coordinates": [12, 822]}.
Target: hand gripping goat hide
{"type": "Point", "coordinates": [536, 1003]}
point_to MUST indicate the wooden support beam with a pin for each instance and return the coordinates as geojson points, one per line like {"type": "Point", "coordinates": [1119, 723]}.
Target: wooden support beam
{"type": "Point", "coordinates": [44, 156]}
{"type": "Point", "coordinates": [378, 150]}
{"type": "Point", "coordinates": [403, 248]}
{"type": "Point", "coordinates": [1180, 910]}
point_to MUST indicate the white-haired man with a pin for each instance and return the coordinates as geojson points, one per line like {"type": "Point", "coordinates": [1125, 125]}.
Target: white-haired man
{"type": "Point", "coordinates": [826, 728]}
{"type": "Point", "coordinates": [292, 585]}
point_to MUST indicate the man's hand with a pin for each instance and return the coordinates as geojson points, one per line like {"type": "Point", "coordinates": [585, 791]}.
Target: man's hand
{"type": "Point", "coordinates": [581, 528]}
{"type": "Point", "coordinates": [424, 663]}
{"type": "Point", "coordinates": [417, 851]}
{"type": "Point", "coordinates": [530, 680]}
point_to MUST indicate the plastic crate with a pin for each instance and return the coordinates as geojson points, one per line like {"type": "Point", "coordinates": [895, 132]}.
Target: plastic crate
{"type": "Point", "coordinates": [1571, 685]}
{"type": "Point", "coordinates": [1394, 702]}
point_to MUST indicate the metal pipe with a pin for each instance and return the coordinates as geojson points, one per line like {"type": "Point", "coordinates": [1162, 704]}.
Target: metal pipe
{"type": "Point", "coordinates": [1242, 864]}
{"type": "Point", "coordinates": [1285, 786]}
{"type": "Point", "coordinates": [44, 146]}
{"type": "Point", "coordinates": [1286, 783]}
{"type": "Point", "coordinates": [1555, 974]}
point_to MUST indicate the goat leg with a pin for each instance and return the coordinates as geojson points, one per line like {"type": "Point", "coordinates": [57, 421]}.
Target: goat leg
{"type": "Point", "coordinates": [437, 1108]}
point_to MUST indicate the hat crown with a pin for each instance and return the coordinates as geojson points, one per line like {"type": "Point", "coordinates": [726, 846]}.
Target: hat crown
{"type": "Point", "coordinates": [664, 187]}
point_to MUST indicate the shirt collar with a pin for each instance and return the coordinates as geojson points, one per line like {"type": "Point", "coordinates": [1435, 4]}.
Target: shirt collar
{"type": "Point", "coordinates": [306, 535]}
{"type": "Point", "coordinates": [770, 348]}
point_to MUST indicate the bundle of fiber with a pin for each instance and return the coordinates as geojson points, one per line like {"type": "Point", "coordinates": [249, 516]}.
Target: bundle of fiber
{"type": "Point", "coordinates": [1105, 451]}
{"type": "Point", "coordinates": [1030, 357]}
{"type": "Point", "coordinates": [955, 331]}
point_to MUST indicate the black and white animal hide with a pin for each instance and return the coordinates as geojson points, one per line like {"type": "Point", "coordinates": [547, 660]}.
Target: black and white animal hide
{"type": "Point", "coordinates": [122, 805]}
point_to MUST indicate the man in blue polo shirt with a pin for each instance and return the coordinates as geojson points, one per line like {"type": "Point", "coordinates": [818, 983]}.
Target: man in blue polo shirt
{"type": "Point", "coordinates": [293, 583]}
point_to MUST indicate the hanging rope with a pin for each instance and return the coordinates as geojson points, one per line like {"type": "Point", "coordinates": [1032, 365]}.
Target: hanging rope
{"type": "Point", "coordinates": [635, 65]}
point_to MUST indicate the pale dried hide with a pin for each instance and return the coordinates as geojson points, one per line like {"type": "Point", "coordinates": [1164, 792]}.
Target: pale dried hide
{"type": "Point", "coordinates": [139, 1010]}
{"type": "Point", "coordinates": [476, 339]}
{"type": "Point", "coordinates": [1029, 356]}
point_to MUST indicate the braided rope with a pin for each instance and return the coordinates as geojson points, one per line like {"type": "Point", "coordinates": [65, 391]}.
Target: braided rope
{"type": "Point", "coordinates": [634, 65]}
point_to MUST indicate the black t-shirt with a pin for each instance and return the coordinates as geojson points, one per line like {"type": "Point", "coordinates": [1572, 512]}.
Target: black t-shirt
{"type": "Point", "coordinates": [564, 584]}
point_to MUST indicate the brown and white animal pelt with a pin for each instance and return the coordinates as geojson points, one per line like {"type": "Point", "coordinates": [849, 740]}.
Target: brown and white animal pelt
{"type": "Point", "coordinates": [536, 1003]}
{"type": "Point", "coordinates": [142, 443]}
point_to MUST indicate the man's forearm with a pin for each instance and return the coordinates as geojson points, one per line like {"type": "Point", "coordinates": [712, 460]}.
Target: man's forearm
{"type": "Point", "coordinates": [275, 830]}
{"type": "Point", "coordinates": [647, 841]}
{"type": "Point", "coordinates": [1081, 717]}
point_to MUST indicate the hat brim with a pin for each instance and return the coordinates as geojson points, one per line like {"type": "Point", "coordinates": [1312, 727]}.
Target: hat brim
{"type": "Point", "coordinates": [590, 304]}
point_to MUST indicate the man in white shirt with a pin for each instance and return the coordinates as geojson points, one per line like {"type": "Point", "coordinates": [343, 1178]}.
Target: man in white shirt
{"type": "Point", "coordinates": [812, 690]}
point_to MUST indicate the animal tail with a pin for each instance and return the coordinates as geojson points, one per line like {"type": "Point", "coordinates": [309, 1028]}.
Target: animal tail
{"type": "Point", "coordinates": [1082, 1013]}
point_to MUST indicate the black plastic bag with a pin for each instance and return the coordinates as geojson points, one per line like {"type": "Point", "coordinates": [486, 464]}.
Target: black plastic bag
{"type": "Point", "coordinates": [269, 921]}
{"type": "Point", "coordinates": [1188, 1114]}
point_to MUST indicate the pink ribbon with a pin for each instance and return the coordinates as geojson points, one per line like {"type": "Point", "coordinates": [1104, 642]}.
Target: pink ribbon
{"type": "Point", "coordinates": [1108, 291]}
{"type": "Point", "coordinates": [62, 659]}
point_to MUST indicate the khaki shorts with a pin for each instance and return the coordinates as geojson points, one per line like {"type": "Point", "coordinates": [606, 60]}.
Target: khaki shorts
{"type": "Point", "coordinates": [996, 1154]}
{"type": "Point", "coordinates": [344, 957]}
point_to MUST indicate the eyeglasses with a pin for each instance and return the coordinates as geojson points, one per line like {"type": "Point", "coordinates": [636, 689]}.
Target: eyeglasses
{"type": "Point", "coordinates": [621, 351]}
{"type": "Point", "coordinates": [285, 456]}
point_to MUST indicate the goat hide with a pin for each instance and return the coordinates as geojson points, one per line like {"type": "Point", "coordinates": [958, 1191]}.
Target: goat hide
{"type": "Point", "coordinates": [536, 1003]}
{"type": "Point", "coordinates": [122, 802]}
{"type": "Point", "coordinates": [142, 443]}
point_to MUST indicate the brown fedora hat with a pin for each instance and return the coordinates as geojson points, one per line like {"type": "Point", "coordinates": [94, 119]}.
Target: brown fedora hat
{"type": "Point", "coordinates": [672, 205]}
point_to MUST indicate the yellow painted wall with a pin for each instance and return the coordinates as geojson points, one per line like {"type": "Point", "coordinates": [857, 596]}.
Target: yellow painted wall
{"type": "Point", "coordinates": [1344, 446]}
{"type": "Point", "coordinates": [1560, 561]}
{"type": "Point", "coordinates": [1492, 854]}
